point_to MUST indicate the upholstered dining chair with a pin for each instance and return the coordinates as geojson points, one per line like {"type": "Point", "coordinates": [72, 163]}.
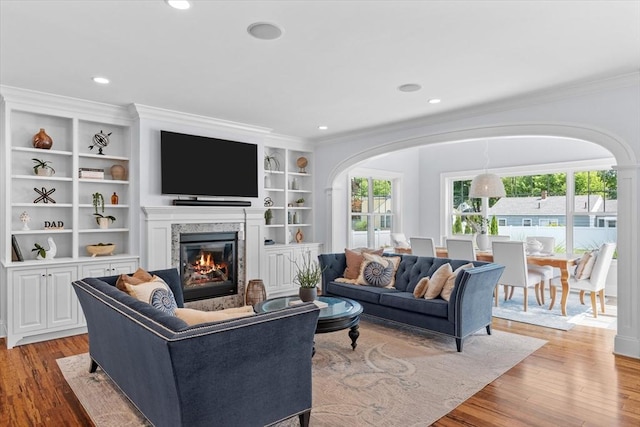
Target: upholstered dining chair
{"type": "Point", "coordinates": [423, 246]}
{"type": "Point", "coordinates": [594, 284]}
{"type": "Point", "coordinates": [512, 255]}
{"type": "Point", "coordinates": [399, 240]}
{"type": "Point", "coordinates": [547, 272]}
{"type": "Point", "coordinates": [461, 249]}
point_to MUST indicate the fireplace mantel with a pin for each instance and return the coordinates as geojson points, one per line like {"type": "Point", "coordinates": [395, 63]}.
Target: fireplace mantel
{"type": "Point", "coordinates": [158, 219]}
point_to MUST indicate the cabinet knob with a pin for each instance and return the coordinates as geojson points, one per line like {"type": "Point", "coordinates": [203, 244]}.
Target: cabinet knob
{"type": "Point", "coordinates": [49, 274]}
{"type": "Point", "coordinates": [44, 275]}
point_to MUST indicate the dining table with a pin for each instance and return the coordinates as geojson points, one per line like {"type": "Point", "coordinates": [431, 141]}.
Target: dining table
{"type": "Point", "coordinates": [557, 260]}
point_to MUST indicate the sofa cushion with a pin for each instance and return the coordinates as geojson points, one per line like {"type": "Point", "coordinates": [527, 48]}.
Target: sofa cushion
{"type": "Point", "coordinates": [451, 281]}
{"type": "Point", "coordinates": [155, 293]}
{"type": "Point", "coordinates": [438, 280]}
{"type": "Point", "coordinates": [194, 317]}
{"type": "Point", "coordinates": [421, 288]}
{"type": "Point", "coordinates": [406, 301]}
{"type": "Point", "coordinates": [369, 294]}
{"type": "Point", "coordinates": [585, 265]}
{"type": "Point", "coordinates": [354, 260]}
{"type": "Point", "coordinates": [139, 276]}
{"type": "Point", "coordinates": [378, 271]}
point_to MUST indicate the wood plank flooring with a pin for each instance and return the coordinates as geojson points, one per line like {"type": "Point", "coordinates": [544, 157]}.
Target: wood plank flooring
{"type": "Point", "coordinates": [574, 380]}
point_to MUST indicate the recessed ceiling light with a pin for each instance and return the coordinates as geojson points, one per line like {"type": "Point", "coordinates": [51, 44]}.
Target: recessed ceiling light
{"type": "Point", "coordinates": [101, 80]}
{"type": "Point", "coordinates": [434, 101]}
{"type": "Point", "coordinates": [264, 31]}
{"type": "Point", "coordinates": [323, 127]}
{"type": "Point", "coordinates": [410, 87]}
{"type": "Point", "coordinates": [179, 4]}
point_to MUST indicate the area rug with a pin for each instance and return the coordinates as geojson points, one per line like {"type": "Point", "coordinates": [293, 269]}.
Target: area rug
{"type": "Point", "coordinates": [397, 375]}
{"type": "Point", "coordinates": [540, 315]}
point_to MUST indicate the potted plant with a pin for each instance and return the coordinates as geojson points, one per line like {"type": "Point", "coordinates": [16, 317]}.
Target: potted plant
{"type": "Point", "coordinates": [41, 253]}
{"type": "Point", "coordinates": [271, 163]}
{"type": "Point", "coordinates": [308, 274]}
{"type": "Point", "coordinates": [42, 167]}
{"type": "Point", "coordinates": [300, 201]}
{"type": "Point", "coordinates": [268, 216]}
{"type": "Point", "coordinates": [98, 203]}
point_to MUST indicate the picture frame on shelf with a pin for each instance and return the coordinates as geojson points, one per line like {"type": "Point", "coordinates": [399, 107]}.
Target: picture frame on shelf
{"type": "Point", "coordinates": [16, 253]}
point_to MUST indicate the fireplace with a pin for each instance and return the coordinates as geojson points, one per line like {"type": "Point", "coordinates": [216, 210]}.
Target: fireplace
{"type": "Point", "coordinates": [208, 264]}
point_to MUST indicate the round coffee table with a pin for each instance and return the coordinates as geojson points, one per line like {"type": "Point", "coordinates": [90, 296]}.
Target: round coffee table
{"type": "Point", "coordinates": [340, 313]}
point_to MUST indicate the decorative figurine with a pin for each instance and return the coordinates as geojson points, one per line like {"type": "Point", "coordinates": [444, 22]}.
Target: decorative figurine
{"type": "Point", "coordinates": [45, 195]}
{"type": "Point", "coordinates": [100, 140]}
{"type": "Point", "coordinates": [42, 253]}
{"type": "Point", "coordinates": [25, 218]}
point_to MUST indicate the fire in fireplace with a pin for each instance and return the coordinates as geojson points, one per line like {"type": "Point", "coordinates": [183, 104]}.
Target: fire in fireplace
{"type": "Point", "coordinates": [208, 264]}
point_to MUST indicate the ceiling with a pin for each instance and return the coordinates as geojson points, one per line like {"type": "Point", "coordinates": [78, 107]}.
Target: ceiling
{"type": "Point", "coordinates": [338, 63]}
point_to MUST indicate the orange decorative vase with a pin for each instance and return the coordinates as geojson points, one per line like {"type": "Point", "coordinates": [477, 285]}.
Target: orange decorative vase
{"type": "Point", "coordinates": [118, 172]}
{"type": "Point", "coordinates": [42, 140]}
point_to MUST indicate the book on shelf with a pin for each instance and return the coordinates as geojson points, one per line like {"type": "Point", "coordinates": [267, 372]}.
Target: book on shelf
{"type": "Point", "coordinates": [92, 173]}
{"type": "Point", "coordinates": [16, 253]}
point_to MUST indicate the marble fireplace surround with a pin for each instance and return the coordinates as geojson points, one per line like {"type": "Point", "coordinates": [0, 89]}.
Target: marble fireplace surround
{"type": "Point", "coordinates": [164, 223]}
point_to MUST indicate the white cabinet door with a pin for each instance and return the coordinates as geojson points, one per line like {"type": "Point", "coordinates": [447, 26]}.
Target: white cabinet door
{"type": "Point", "coordinates": [29, 306]}
{"type": "Point", "coordinates": [62, 303]}
{"type": "Point", "coordinates": [279, 275]}
{"type": "Point", "coordinates": [109, 268]}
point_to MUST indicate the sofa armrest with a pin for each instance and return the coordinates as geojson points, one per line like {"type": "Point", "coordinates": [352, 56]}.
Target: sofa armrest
{"type": "Point", "coordinates": [333, 266]}
{"type": "Point", "coordinates": [471, 302]}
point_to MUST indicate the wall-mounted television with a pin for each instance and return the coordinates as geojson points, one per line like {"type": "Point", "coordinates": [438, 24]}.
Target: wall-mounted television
{"type": "Point", "coordinates": [201, 166]}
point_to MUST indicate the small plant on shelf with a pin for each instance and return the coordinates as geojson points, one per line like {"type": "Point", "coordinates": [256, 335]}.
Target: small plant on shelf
{"type": "Point", "coordinates": [300, 201]}
{"type": "Point", "coordinates": [98, 204]}
{"type": "Point", "coordinates": [39, 250]}
{"type": "Point", "coordinates": [42, 167]}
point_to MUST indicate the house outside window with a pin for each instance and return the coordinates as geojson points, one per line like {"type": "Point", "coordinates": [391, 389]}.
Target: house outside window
{"type": "Point", "coordinates": [371, 211]}
{"type": "Point", "coordinates": [575, 205]}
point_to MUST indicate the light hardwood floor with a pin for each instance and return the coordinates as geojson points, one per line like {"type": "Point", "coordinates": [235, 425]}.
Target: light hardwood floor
{"type": "Point", "coordinates": [573, 380]}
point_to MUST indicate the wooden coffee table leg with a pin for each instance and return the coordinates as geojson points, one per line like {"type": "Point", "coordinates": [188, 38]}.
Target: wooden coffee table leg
{"type": "Point", "coordinates": [354, 334]}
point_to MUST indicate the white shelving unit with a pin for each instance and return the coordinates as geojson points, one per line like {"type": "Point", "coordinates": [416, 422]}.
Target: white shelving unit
{"type": "Point", "coordinates": [37, 301]}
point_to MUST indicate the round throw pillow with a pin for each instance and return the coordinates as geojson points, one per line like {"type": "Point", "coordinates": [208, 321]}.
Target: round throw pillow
{"type": "Point", "coordinates": [376, 274]}
{"type": "Point", "coordinates": [163, 300]}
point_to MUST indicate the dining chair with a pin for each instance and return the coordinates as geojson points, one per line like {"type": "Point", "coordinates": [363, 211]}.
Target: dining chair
{"type": "Point", "coordinates": [512, 255]}
{"type": "Point", "coordinates": [461, 249]}
{"type": "Point", "coordinates": [547, 272]}
{"type": "Point", "coordinates": [423, 246]}
{"type": "Point", "coordinates": [594, 284]}
{"type": "Point", "coordinates": [399, 240]}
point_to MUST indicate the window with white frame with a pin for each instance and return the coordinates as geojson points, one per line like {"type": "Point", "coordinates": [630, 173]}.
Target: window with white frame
{"type": "Point", "coordinates": [575, 204]}
{"type": "Point", "coordinates": [372, 209]}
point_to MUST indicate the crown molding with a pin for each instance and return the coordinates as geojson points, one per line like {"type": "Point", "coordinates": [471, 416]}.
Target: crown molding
{"type": "Point", "coordinates": [145, 112]}
{"type": "Point", "coordinates": [546, 95]}
{"type": "Point", "coordinates": [63, 106]}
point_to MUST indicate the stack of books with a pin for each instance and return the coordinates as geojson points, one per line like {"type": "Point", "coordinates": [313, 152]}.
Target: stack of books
{"type": "Point", "coordinates": [91, 173]}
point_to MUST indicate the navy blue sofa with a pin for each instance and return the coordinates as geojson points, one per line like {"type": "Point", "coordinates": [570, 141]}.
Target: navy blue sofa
{"type": "Point", "coordinates": [251, 371]}
{"type": "Point", "coordinates": [467, 311]}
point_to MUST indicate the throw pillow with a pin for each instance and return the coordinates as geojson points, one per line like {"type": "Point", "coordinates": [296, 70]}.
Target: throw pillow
{"type": "Point", "coordinates": [585, 266]}
{"type": "Point", "coordinates": [354, 260]}
{"type": "Point", "coordinates": [421, 288]}
{"type": "Point", "coordinates": [378, 271]}
{"type": "Point", "coordinates": [140, 276]}
{"type": "Point", "coordinates": [155, 293]}
{"type": "Point", "coordinates": [437, 281]}
{"type": "Point", "coordinates": [445, 294]}
{"type": "Point", "coordinates": [193, 317]}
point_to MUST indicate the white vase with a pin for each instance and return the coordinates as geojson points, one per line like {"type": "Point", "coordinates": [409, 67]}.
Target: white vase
{"type": "Point", "coordinates": [103, 222]}
{"type": "Point", "coordinates": [482, 240]}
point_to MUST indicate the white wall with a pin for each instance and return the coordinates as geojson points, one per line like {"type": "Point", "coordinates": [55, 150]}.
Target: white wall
{"type": "Point", "coordinates": [606, 113]}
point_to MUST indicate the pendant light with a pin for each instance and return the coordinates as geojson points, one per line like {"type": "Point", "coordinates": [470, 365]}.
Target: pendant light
{"type": "Point", "coordinates": [486, 184]}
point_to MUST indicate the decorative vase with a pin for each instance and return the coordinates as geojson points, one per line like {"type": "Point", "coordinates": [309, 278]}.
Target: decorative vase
{"type": "Point", "coordinates": [42, 140]}
{"type": "Point", "coordinates": [114, 198]}
{"type": "Point", "coordinates": [118, 172]}
{"type": "Point", "coordinates": [482, 240]}
{"type": "Point", "coordinates": [103, 222]}
{"type": "Point", "coordinates": [308, 294]}
{"type": "Point", "coordinates": [299, 236]}
{"type": "Point", "coordinates": [255, 292]}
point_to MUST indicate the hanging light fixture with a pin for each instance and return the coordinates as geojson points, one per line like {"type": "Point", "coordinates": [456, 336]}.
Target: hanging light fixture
{"type": "Point", "coordinates": [486, 184]}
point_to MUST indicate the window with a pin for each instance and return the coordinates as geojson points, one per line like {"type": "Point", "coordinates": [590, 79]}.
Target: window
{"type": "Point", "coordinates": [372, 211]}
{"type": "Point", "coordinates": [575, 205]}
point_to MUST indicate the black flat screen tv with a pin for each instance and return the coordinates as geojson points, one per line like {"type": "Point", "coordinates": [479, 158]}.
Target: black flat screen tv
{"type": "Point", "coordinates": [200, 166]}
